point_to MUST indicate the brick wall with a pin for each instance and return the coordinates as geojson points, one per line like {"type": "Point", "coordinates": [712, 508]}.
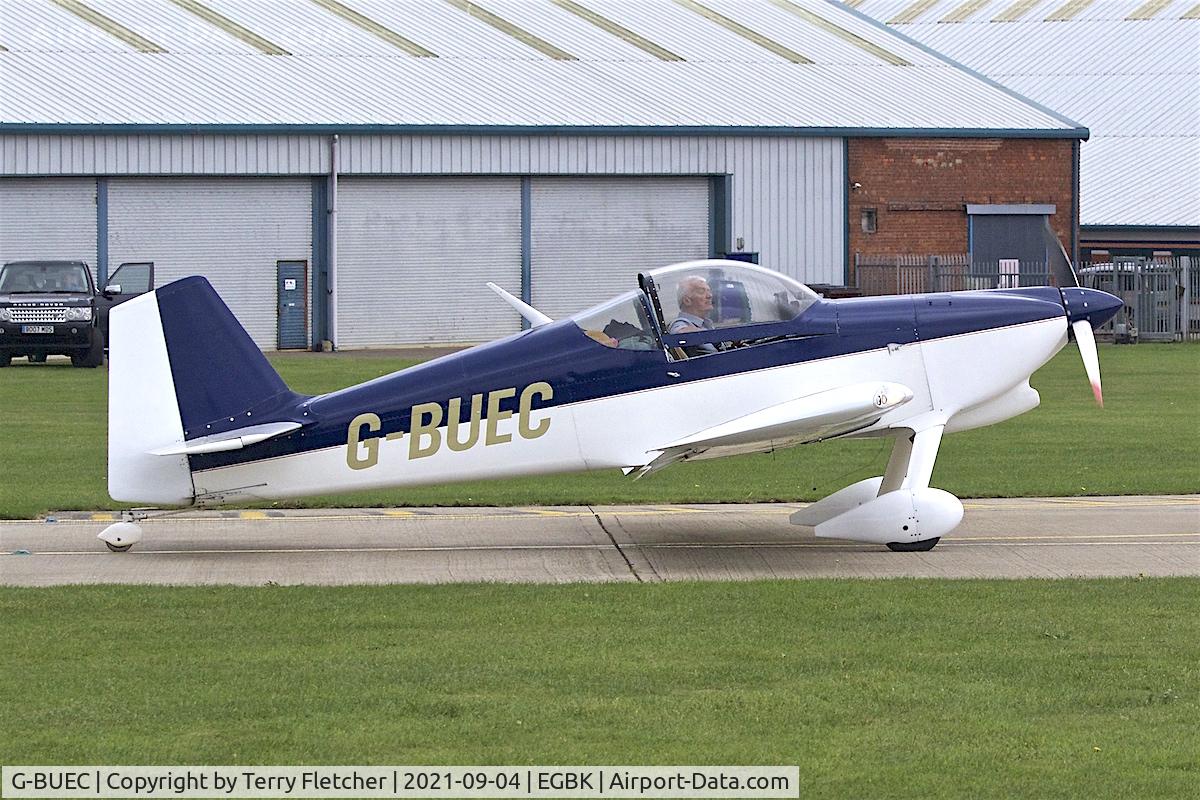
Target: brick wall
{"type": "Point", "coordinates": [920, 187]}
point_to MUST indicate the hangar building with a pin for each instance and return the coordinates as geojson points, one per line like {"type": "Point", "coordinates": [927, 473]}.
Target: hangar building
{"type": "Point", "coordinates": [355, 170]}
{"type": "Point", "coordinates": [1128, 69]}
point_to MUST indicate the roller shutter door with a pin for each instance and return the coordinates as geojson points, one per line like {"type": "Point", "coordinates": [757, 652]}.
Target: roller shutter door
{"type": "Point", "coordinates": [231, 231]}
{"type": "Point", "coordinates": [591, 236]}
{"type": "Point", "coordinates": [53, 218]}
{"type": "Point", "coordinates": [414, 255]}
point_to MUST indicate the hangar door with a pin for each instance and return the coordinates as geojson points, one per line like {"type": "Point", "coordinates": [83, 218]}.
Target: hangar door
{"type": "Point", "coordinates": [232, 231]}
{"type": "Point", "coordinates": [592, 236]}
{"type": "Point", "coordinates": [414, 255]}
{"type": "Point", "coordinates": [48, 218]}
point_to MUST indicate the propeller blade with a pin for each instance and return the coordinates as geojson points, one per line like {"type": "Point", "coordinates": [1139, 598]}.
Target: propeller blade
{"type": "Point", "coordinates": [1091, 361]}
{"type": "Point", "coordinates": [1057, 261]}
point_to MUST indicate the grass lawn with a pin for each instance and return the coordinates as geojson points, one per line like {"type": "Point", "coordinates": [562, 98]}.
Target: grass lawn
{"type": "Point", "coordinates": [874, 688]}
{"type": "Point", "coordinates": [1145, 441]}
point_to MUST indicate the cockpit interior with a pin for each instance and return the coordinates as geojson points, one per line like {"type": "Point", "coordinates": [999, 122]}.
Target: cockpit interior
{"type": "Point", "coordinates": [725, 304]}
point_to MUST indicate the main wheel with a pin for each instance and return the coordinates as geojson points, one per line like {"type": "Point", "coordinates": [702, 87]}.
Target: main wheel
{"type": "Point", "coordinates": [922, 546]}
{"type": "Point", "coordinates": [117, 548]}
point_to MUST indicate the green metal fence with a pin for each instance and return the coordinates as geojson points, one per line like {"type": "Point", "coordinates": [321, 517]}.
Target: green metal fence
{"type": "Point", "coordinates": [1161, 295]}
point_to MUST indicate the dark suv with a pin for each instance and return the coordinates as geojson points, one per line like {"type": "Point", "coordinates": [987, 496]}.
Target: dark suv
{"type": "Point", "coordinates": [44, 310]}
{"type": "Point", "coordinates": [49, 308]}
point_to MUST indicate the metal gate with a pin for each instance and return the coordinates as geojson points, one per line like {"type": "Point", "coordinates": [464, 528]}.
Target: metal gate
{"type": "Point", "coordinates": [292, 283]}
{"type": "Point", "coordinates": [1157, 295]}
{"type": "Point", "coordinates": [956, 272]}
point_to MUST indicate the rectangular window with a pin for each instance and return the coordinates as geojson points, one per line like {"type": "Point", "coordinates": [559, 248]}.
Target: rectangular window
{"type": "Point", "coordinates": [870, 220]}
{"type": "Point", "coordinates": [133, 278]}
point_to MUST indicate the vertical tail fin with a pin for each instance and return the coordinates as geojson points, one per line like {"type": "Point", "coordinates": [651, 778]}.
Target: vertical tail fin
{"type": "Point", "coordinates": [181, 367]}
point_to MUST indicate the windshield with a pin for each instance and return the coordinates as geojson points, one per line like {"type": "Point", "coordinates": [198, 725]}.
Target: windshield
{"type": "Point", "coordinates": [622, 323]}
{"type": "Point", "coordinates": [31, 277]}
{"type": "Point", "coordinates": [718, 294]}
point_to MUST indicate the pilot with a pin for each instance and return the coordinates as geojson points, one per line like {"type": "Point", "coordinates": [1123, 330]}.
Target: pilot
{"type": "Point", "coordinates": [695, 304]}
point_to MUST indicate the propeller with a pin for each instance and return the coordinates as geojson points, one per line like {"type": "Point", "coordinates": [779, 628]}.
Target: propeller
{"type": "Point", "coordinates": [1083, 306]}
{"type": "Point", "coordinates": [1091, 361]}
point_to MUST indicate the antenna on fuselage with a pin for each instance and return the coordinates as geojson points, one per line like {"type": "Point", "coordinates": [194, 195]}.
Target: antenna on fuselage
{"type": "Point", "coordinates": [535, 317]}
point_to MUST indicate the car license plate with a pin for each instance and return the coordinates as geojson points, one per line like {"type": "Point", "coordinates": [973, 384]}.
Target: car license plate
{"type": "Point", "coordinates": [37, 329]}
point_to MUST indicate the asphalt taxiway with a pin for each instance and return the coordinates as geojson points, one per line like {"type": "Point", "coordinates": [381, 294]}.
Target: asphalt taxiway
{"type": "Point", "coordinates": [1009, 538]}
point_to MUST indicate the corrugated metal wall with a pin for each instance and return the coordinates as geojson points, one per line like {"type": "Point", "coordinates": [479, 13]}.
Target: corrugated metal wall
{"type": "Point", "coordinates": [647, 223]}
{"type": "Point", "coordinates": [787, 193]}
{"type": "Point", "coordinates": [164, 155]}
{"type": "Point", "coordinates": [232, 231]}
{"type": "Point", "coordinates": [48, 218]}
{"type": "Point", "coordinates": [414, 255]}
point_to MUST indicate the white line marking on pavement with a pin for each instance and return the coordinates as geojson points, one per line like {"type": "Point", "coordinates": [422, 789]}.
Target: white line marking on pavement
{"type": "Point", "coordinates": [547, 547]}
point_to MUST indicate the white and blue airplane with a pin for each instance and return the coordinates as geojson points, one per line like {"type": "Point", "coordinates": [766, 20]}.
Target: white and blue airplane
{"type": "Point", "coordinates": [701, 360]}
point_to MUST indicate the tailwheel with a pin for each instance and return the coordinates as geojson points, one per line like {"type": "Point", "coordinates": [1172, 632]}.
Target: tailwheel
{"type": "Point", "coordinates": [923, 546]}
{"type": "Point", "coordinates": [120, 536]}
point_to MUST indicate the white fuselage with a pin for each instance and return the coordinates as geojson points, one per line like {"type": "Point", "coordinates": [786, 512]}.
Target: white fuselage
{"type": "Point", "coordinates": [960, 381]}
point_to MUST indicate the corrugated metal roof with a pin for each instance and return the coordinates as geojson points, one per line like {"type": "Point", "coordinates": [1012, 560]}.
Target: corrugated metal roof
{"type": "Point", "coordinates": [1127, 69]}
{"type": "Point", "coordinates": [61, 70]}
{"type": "Point", "coordinates": [1158, 182]}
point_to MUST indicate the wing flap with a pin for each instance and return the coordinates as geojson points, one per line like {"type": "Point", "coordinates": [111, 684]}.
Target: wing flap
{"type": "Point", "coordinates": [809, 418]}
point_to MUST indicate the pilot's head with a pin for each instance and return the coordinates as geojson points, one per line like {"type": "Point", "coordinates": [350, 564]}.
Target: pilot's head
{"type": "Point", "coordinates": [694, 296]}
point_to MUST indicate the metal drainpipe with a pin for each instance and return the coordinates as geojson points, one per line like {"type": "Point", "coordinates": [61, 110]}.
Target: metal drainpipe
{"type": "Point", "coordinates": [333, 205]}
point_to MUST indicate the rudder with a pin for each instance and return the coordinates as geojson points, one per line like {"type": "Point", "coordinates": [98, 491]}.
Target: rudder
{"type": "Point", "coordinates": [181, 367]}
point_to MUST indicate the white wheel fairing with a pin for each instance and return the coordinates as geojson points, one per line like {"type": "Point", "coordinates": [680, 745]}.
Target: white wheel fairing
{"type": "Point", "coordinates": [841, 501]}
{"type": "Point", "coordinates": [905, 515]}
{"type": "Point", "coordinates": [120, 536]}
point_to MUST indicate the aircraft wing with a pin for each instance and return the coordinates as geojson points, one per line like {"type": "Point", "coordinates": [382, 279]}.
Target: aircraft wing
{"type": "Point", "coordinates": [803, 419]}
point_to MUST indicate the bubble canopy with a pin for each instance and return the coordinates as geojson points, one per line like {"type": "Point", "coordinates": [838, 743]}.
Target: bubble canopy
{"type": "Point", "coordinates": [710, 294]}
{"type": "Point", "coordinates": [742, 294]}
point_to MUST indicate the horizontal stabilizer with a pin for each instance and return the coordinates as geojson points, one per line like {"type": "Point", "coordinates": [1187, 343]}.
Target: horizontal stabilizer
{"type": "Point", "coordinates": [229, 440]}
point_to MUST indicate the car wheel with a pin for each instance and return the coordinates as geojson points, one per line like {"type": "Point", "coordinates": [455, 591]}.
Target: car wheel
{"type": "Point", "coordinates": [94, 357]}
{"type": "Point", "coordinates": [5, 359]}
